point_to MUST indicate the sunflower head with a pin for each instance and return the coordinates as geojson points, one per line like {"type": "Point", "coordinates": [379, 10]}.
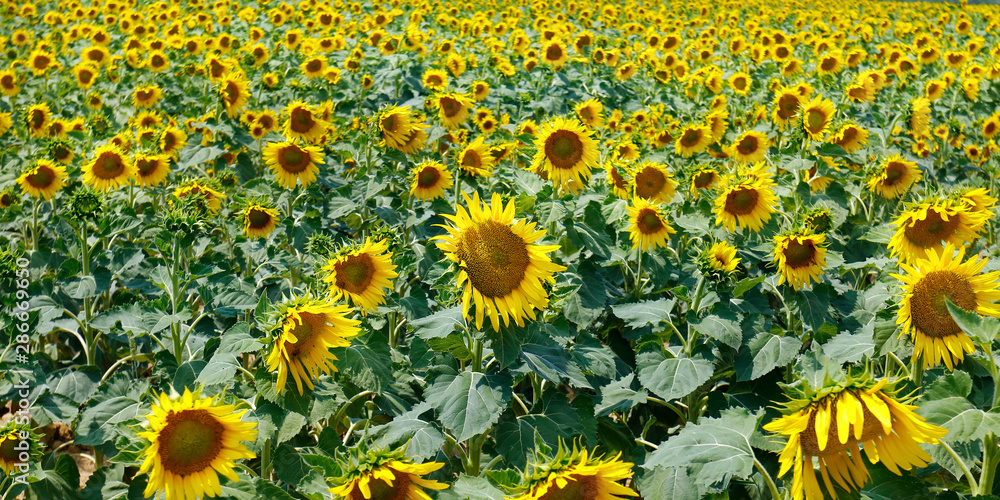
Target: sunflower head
{"type": "Point", "coordinates": [19, 445]}
{"type": "Point", "coordinates": [574, 473]}
{"type": "Point", "coordinates": [43, 180]}
{"type": "Point", "coordinates": [800, 257]}
{"type": "Point", "coordinates": [260, 218]}
{"type": "Point", "coordinates": [648, 226]}
{"type": "Point", "coordinates": [431, 179]}
{"type": "Point", "coordinates": [566, 152]}
{"type": "Point", "coordinates": [374, 474]}
{"type": "Point", "coordinates": [361, 274]}
{"type": "Point", "coordinates": [931, 224]}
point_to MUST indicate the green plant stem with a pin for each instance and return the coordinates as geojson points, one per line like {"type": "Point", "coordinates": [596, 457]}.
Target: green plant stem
{"type": "Point", "coordinates": [265, 460]}
{"type": "Point", "coordinates": [973, 485]}
{"type": "Point", "coordinates": [175, 327]}
{"type": "Point", "coordinates": [638, 274]}
{"type": "Point", "coordinates": [991, 454]}
{"type": "Point", "coordinates": [343, 409]}
{"type": "Point", "coordinates": [34, 225]}
{"type": "Point", "coordinates": [993, 373]}
{"type": "Point", "coordinates": [475, 454]}
{"type": "Point", "coordinates": [767, 479]}
{"type": "Point", "coordinates": [88, 334]}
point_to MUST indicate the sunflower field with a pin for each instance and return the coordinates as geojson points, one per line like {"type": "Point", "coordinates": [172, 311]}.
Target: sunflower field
{"type": "Point", "coordinates": [499, 250]}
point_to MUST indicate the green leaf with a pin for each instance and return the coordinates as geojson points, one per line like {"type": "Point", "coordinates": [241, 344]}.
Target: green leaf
{"type": "Point", "coordinates": [423, 438]}
{"type": "Point", "coordinates": [620, 396]}
{"type": "Point", "coordinates": [237, 340]}
{"type": "Point", "coordinates": [812, 306]}
{"type": "Point", "coordinates": [879, 234]}
{"type": "Point", "coordinates": [980, 330]}
{"type": "Point", "coordinates": [96, 424]}
{"type": "Point", "coordinates": [552, 418]}
{"type": "Point", "coordinates": [723, 326]}
{"type": "Point", "coordinates": [274, 422]}
{"type": "Point", "coordinates": [746, 285]}
{"type": "Point", "coordinates": [469, 403]}
{"type": "Point", "coordinates": [667, 483]}
{"type": "Point", "coordinates": [672, 378]}
{"type": "Point", "coordinates": [367, 361]}
{"type": "Point", "coordinates": [647, 312]}
{"type": "Point", "coordinates": [963, 421]}
{"type": "Point", "coordinates": [764, 353]}
{"type": "Point", "coordinates": [553, 363]}
{"type": "Point", "coordinates": [849, 347]}
{"type": "Point", "coordinates": [956, 383]}
{"type": "Point", "coordinates": [438, 325]}
{"type": "Point", "coordinates": [712, 450]}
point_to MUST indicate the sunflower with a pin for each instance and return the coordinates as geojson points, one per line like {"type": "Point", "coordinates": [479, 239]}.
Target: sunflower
{"type": "Point", "coordinates": [832, 425]}
{"type": "Point", "coordinates": [41, 61]}
{"type": "Point", "coordinates": [566, 152]}
{"type": "Point", "coordinates": [693, 139]}
{"type": "Point", "coordinates": [109, 169]}
{"type": "Point", "coordinates": [501, 269]}
{"type": "Point", "coordinates": [924, 314]}
{"type": "Point", "coordinates": [172, 141]}
{"type": "Point", "coordinates": [385, 474]}
{"type": "Point", "coordinates": [314, 67]}
{"type": "Point", "coordinates": [618, 182]}
{"type": "Point", "coordinates": [787, 102]}
{"type": "Point", "coordinates": [480, 90]}
{"type": "Point", "coordinates": [86, 74]}
{"type": "Point", "coordinates": [800, 257]}
{"type": "Point", "coordinates": [212, 198]}
{"type": "Point", "coordinates": [13, 455]}
{"type": "Point", "coordinates": [361, 274]}
{"type": "Point", "coordinates": [991, 126]}
{"type": "Point", "coordinates": [431, 179]}
{"type": "Point", "coordinates": [705, 177]}
{"type": "Point", "coordinates": [721, 257]}
{"type": "Point", "coordinates": [648, 225]}
{"type": "Point", "coordinates": [590, 113]}
{"type": "Point", "coordinates": [8, 83]}
{"type": "Point", "coordinates": [259, 220]}
{"type": "Point", "coordinates": [191, 441]}
{"type": "Point", "coordinates": [851, 137]}
{"type": "Point", "coordinates": [43, 180]}
{"type": "Point", "coordinates": [233, 88]}
{"type": "Point", "coordinates": [554, 54]}
{"type": "Point", "coordinates": [747, 203]}
{"type": "Point", "coordinates": [978, 199]}
{"type": "Point", "coordinates": [293, 163]}
{"type": "Point", "coordinates": [434, 79]}
{"type": "Point", "coordinates": [38, 118]}
{"type": "Point", "coordinates": [308, 329]}
{"type": "Point", "coordinates": [146, 96]}
{"type": "Point", "coordinates": [750, 147]}
{"type": "Point", "coordinates": [453, 108]}
{"type": "Point", "coordinates": [920, 116]}
{"type": "Point", "coordinates": [474, 159]}
{"type": "Point", "coordinates": [894, 177]}
{"type": "Point", "coordinates": [151, 169]}
{"type": "Point", "coordinates": [303, 123]}
{"type": "Point", "coordinates": [931, 224]}
{"type": "Point", "coordinates": [576, 474]}
{"type": "Point", "coordinates": [652, 181]}
{"type": "Point", "coordinates": [398, 125]}
{"type": "Point", "coordinates": [740, 82]}
{"type": "Point", "coordinates": [816, 116]}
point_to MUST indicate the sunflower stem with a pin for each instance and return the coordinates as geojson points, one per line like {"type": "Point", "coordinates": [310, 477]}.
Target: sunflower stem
{"type": "Point", "coordinates": [85, 262]}
{"type": "Point", "coordinates": [990, 451]}
{"type": "Point", "coordinates": [973, 485]}
{"type": "Point", "coordinates": [265, 460]}
{"type": "Point", "coordinates": [767, 479]}
{"type": "Point", "coordinates": [638, 275]}
{"type": "Point", "coordinates": [34, 225]}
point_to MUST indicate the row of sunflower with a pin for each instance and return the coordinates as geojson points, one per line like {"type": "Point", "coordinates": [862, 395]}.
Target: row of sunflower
{"type": "Point", "coordinates": [513, 249]}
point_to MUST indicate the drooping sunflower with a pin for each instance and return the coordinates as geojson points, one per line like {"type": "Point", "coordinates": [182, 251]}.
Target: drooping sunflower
{"type": "Point", "coordinates": [920, 116]}
{"type": "Point", "coordinates": [453, 108]}
{"type": "Point", "coordinates": [109, 168]}
{"type": "Point", "coordinates": [385, 474]}
{"type": "Point", "coordinates": [894, 178]}
{"type": "Point", "coordinates": [500, 267]}
{"type": "Point", "coordinates": [191, 441]}
{"type": "Point", "coordinates": [475, 159]}
{"type": "Point", "coordinates": [292, 163]}
{"type": "Point", "coordinates": [816, 116]}
{"type": "Point", "coordinates": [833, 424]}
{"type": "Point", "coordinates": [619, 183]}
{"type": "Point", "coordinates": [693, 139]}
{"type": "Point", "coordinates": [12, 452]}
{"type": "Point", "coordinates": [652, 181]}
{"type": "Point", "coordinates": [398, 125]}
{"type": "Point", "coordinates": [151, 169]}
{"type": "Point", "coordinates": [308, 329]}
{"type": "Point", "coordinates": [924, 314]}
{"type": "Point", "coordinates": [303, 122]}
{"type": "Point", "coordinates": [575, 474]}
{"type": "Point", "coordinates": [212, 198]}
{"type": "Point", "coordinates": [361, 274]}
{"type": "Point", "coordinates": [978, 199]}
{"type": "Point", "coordinates": [590, 113]}
{"type": "Point", "coordinates": [234, 90]}
{"type": "Point", "coordinates": [800, 257]}
{"type": "Point", "coordinates": [566, 152]}
{"type": "Point", "coordinates": [747, 203]}
{"type": "Point", "coordinates": [43, 180]}
{"type": "Point", "coordinates": [750, 147]}
{"type": "Point", "coordinates": [431, 179]}
{"type": "Point", "coordinates": [931, 224]}
{"type": "Point", "coordinates": [648, 226]}
{"type": "Point", "coordinates": [259, 220]}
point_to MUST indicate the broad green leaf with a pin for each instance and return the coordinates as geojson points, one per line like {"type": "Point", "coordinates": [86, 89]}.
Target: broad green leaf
{"type": "Point", "coordinates": [552, 418]}
{"type": "Point", "coordinates": [422, 437]}
{"type": "Point", "coordinates": [469, 403]}
{"type": "Point", "coordinates": [746, 285]}
{"type": "Point", "coordinates": [367, 361]}
{"type": "Point", "coordinates": [672, 378]}
{"type": "Point", "coordinates": [473, 488]}
{"type": "Point", "coordinates": [554, 364]}
{"type": "Point", "coordinates": [620, 396]}
{"type": "Point", "coordinates": [980, 330]}
{"type": "Point", "coordinates": [96, 424]}
{"type": "Point", "coordinates": [764, 353]}
{"type": "Point", "coordinates": [723, 325]}
{"type": "Point", "coordinates": [647, 312]}
{"type": "Point", "coordinates": [849, 347]}
{"type": "Point", "coordinates": [668, 483]}
{"type": "Point", "coordinates": [438, 325]}
{"type": "Point", "coordinates": [237, 340]}
{"type": "Point", "coordinates": [963, 421]}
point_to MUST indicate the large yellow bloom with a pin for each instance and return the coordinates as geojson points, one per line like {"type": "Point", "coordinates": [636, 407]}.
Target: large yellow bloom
{"type": "Point", "coordinates": [931, 224]}
{"type": "Point", "coordinates": [234, 90]}
{"type": "Point", "coordinates": [303, 122]}
{"type": "Point", "coordinates": [816, 116]}
{"type": "Point", "coordinates": [108, 169]}
{"type": "Point", "coordinates": [577, 475]}
{"type": "Point", "coordinates": [652, 181]}
{"type": "Point", "coordinates": [191, 441]}
{"type": "Point", "coordinates": [801, 258]}
{"type": "Point", "coordinates": [151, 169]}
{"type": "Point", "coordinates": [566, 152]}
{"type": "Point", "coordinates": [259, 220]}
{"type": "Point", "coordinates": [213, 198]}
{"type": "Point", "coordinates": [308, 329]}
{"type": "Point", "coordinates": [382, 475]}
{"type": "Point", "coordinates": [475, 158]}
{"type": "Point", "coordinates": [499, 266]}
{"type": "Point", "coordinates": [750, 147]}
{"type": "Point", "coordinates": [851, 137]}
{"type": "Point", "coordinates": [361, 274]}
{"type": "Point", "coordinates": [924, 313]}
{"type": "Point", "coordinates": [590, 113]}
{"type": "Point", "coordinates": [648, 226]}
{"type": "Point", "coordinates": [721, 257]}
{"type": "Point", "coordinates": [43, 180]}
{"type": "Point", "coordinates": [431, 180]}
{"type": "Point", "coordinates": [834, 424]}
{"type": "Point", "coordinates": [747, 203]}
{"type": "Point", "coordinates": [894, 178]}
{"type": "Point", "coordinates": [693, 139]}
{"type": "Point", "coordinates": [293, 163]}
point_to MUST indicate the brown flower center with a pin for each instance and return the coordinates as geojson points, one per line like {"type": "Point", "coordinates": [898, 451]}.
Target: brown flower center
{"type": "Point", "coordinates": [742, 201]}
{"type": "Point", "coordinates": [578, 487]}
{"type": "Point", "coordinates": [649, 182]}
{"type": "Point", "coordinates": [788, 104]}
{"type": "Point", "coordinates": [399, 490]}
{"type": "Point", "coordinates": [258, 218]}
{"type": "Point", "coordinates": [109, 165]}
{"type": "Point", "coordinates": [648, 221]}
{"type": "Point", "coordinates": [293, 160]}
{"type": "Point", "coordinates": [450, 106]}
{"type": "Point", "coordinates": [191, 440]}
{"type": "Point", "coordinates": [928, 309]}
{"type": "Point", "coordinates": [428, 177]}
{"type": "Point", "coordinates": [494, 257]}
{"type": "Point", "coordinates": [799, 254]}
{"type": "Point", "coordinates": [691, 137]}
{"type": "Point", "coordinates": [748, 145]}
{"type": "Point", "coordinates": [564, 149]}
{"type": "Point", "coordinates": [931, 231]}
{"type": "Point", "coordinates": [301, 120]}
{"type": "Point", "coordinates": [872, 428]}
{"type": "Point", "coordinates": [554, 52]}
{"type": "Point", "coordinates": [355, 273]}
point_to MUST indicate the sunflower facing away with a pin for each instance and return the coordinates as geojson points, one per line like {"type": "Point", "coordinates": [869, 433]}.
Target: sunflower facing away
{"type": "Point", "coordinates": [108, 169]}
{"type": "Point", "coordinates": [292, 163]}
{"type": "Point", "coordinates": [308, 329]}
{"type": "Point", "coordinates": [931, 224]}
{"type": "Point", "coordinates": [566, 152]}
{"type": "Point", "coordinates": [43, 180]}
{"type": "Point", "coordinates": [500, 267]}
{"type": "Point", "coordinates": [747, 203]}
{"type": "Point", "coordinates": [431, 180]}
{"type": "Point", "coordinates": [361, 274]}
{"type": "Point", "coordinates": [648, 226]}
{"type": "Point", "coordinates": [385, 474]}
{"type": "Point", "coordinates": [800, 257]}
{"type": "Point", "coordinates": [924, 313]}
{"type": "Point", "coordinates": [576, 474]}
{"type": "Point", "coordinates": [894, 177]}
{"type": "Point", "coordinates": [831, 425]}
{"type": "Point", "coordinates": [259, 220]}
{"type": "Point", "coordinates": [191, 441]}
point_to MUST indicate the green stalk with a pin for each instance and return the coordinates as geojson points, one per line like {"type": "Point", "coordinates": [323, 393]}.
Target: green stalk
{"type": "Point", "coordinates": [638, 274]}
{"type": "Point", "coordinates": [990, 459]}
{"type": "Point", "coordinates": [767, 479]}
{"type": "Point", "coordinates": [88, 334]}
{"type": "Point", "coordinates": [265, 460]}
{"type": "Point", "coordinates": [973, 485]}
{"type": "Point", "coordinates": [175, 327]}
